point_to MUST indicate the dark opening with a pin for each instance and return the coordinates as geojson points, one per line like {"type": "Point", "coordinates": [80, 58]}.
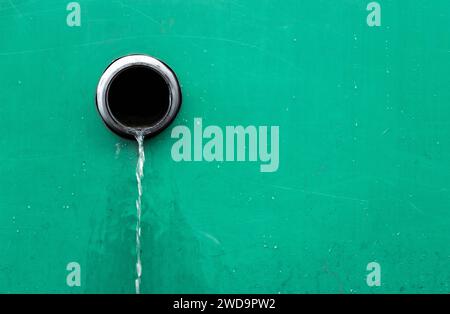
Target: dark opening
{"type": "Point", "coordinates": [138, 97]}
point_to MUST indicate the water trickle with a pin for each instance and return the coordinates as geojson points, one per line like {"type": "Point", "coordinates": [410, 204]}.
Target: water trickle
{"type": "Point", "coordinates": [139, 175]}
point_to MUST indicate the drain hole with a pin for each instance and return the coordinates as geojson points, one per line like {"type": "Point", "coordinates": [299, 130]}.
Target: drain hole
{"type": "Point", "coordinates": [138, 97]}
{"type": "Point", "coordinates": [138, 94]}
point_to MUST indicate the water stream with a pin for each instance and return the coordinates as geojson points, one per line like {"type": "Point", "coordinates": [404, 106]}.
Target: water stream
{"type": "Point", "coordinates": [139, 176]}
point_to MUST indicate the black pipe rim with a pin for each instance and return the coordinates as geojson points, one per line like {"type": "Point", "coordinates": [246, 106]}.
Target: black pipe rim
{"type": "Point", "coordinates": [137, 60]}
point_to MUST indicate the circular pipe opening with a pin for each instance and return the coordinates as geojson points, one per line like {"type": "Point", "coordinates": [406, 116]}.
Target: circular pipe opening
{"type": "Point", "coordinates": [131, 92]}
{"type": "Point", "coordinates": [138, 94]}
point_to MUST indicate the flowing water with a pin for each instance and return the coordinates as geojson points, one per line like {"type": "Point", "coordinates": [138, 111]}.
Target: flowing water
{"type": "Point", "coordinates": [139, 176]}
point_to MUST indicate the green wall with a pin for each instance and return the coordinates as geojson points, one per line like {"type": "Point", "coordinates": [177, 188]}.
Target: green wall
{"type": "Point", "coordinates": [364, 116]}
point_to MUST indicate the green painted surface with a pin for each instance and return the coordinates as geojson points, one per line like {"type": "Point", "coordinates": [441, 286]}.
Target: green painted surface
{"type": "Point", "coordinates": [364, 116]}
